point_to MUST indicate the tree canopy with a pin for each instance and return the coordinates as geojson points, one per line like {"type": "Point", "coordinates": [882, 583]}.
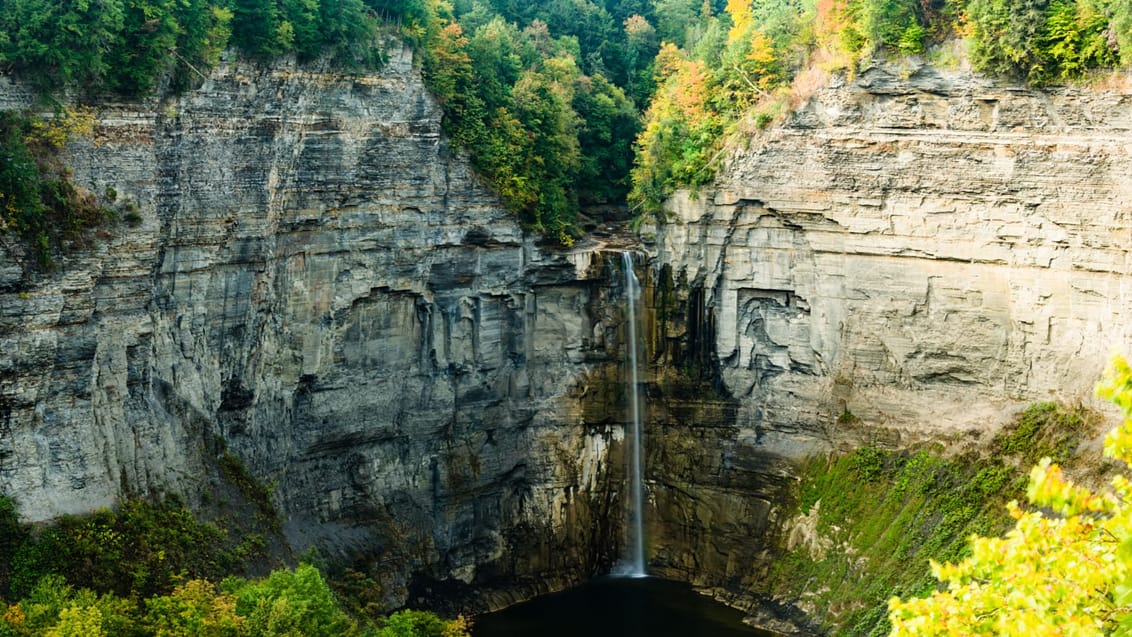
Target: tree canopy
{"type": "Point", "coordinates": [546, 96]}
{"type": "Point", "coordinates": [716, 69]}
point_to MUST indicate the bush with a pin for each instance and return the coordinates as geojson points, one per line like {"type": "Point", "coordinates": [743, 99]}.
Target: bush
{"type": "Point", "coordinates": [140, 550]}
{"type": "Point", "coordinates": [38, 201]}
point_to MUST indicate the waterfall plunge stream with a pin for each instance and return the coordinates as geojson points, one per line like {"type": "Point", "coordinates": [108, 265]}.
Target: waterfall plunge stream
{"type": "Point", "coordinates": [635, 558]}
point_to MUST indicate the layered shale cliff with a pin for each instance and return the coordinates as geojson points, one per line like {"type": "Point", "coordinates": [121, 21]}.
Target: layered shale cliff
{"type": "Point", "coordinates": [320, 285]}
{"type": "Point", "coordinates": [912, 254]}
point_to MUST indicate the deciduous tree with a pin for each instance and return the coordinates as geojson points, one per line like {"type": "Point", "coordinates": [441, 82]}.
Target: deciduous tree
{"type": "Point", "coordinates": [1066, 573]}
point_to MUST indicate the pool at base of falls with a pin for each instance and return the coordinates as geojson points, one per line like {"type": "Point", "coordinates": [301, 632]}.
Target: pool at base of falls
{"type": "Point", "coordinates": [618, 607]}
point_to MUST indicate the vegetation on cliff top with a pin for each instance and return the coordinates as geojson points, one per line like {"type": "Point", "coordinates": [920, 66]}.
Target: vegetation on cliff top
{"type": "Point", "coordinates": [38, 201]}
{"type": "Point", "coordinates": [545, 96]}
{"type": "Point", "coordinates": [748, 63]}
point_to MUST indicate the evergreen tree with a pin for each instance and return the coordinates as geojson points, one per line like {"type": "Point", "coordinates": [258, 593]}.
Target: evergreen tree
{"type": "Point", "coordinates": [256, 27]}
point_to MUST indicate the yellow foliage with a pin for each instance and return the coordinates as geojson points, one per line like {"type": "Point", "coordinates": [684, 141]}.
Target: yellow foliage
{"type": "Point", "coordinates": [55, 132]}
{"type": "Point", "coordinates": [13, 616]}
{"type": "Point", "coordinates": [741, 18]}
{"type": "Point", "coordinates": [457, 628]}
{"type": "Point", "coordinates": [78, 621]}
{"type": "Point", "coordinates": [668, 61]}
{"type": "Point", "coordinates": [1065, 575]}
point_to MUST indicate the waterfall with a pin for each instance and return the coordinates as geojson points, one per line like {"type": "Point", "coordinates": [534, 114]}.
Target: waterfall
{"type": "Point", "coordinates": [635, 558]}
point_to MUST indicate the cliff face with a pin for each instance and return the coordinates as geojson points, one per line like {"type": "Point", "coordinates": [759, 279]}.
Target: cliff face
{"type": "Point", "coordinates": [319, 285]}
{"type": "Point", "coordinates": [912, 254]}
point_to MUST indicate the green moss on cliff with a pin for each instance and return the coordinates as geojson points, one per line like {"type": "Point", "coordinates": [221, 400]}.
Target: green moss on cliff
{"type": "Point", "coordinates": [873, 518]}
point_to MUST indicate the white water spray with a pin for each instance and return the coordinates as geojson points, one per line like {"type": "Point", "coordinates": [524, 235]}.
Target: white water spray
{"type": "Point", "coordinates": [635, 560]}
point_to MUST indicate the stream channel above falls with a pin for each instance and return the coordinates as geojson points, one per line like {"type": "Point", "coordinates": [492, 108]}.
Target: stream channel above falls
{"type": "Point", "coordinates": [618, 607]}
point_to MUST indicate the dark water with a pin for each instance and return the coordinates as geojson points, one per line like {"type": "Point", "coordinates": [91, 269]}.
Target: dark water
{"type": "Point", "coordinates": [618, 607]}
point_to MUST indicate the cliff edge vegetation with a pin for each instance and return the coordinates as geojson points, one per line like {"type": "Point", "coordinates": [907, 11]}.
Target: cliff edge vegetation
{"type": "Point", "coordinates": [848, 550]}
{"type": "Point", "coordinates": [546, 97]}
{"type": "Point", "coordinates": [759, 58]}
{"type": "Point", "coordinates": [544, 110]}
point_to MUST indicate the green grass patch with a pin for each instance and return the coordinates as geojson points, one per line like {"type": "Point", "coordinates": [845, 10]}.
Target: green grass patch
{"type": "Point", "coordinates": [884, 514]}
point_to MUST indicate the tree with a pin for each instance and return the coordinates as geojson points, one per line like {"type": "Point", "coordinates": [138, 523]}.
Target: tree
{"type": "Point", "coordinates": [741, 18]}
{"type": "Point", "coordinates": [494, 50]}
{"type": "Point", "coordinates": [1120, 29]}
{"type": "Point", "coordinates": [1076, 39]}
{"type": "Point", "coordinates": [62, 41]}
{"type": "Point", "coordinates": [140, 53]}
{"type": "Point", "coordinates": [195, 609]}
{"type": "Point", "coordinates": [255, 26]}
{"type": "Point", "coordinates": [305, 22]}
{"type": "Point", "coordinates": [609, 124]}
{"type": "Point", "coordinates": [1006, 35]}
{"type": "Point", "coordinates": [287, 603]}
{"type": "Point", "coordinates": [890, 24]}
{"type": "Point", "coordinates": [415, 623]}
{"type": "Point", "coordinates": [56, 609]}
{"type": "Point", "coordinates": [674, 19]}
{"type": "Point", "coordinates": [1065, 574]}
{"type": "Point", "coordinates": [204, 32]}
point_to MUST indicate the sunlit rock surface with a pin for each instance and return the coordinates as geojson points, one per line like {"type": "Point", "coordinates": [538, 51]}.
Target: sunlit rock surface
{"type": "Point", "coordinates": [912, 254]}
{"type": "Point", "coordinates": [320, 284]}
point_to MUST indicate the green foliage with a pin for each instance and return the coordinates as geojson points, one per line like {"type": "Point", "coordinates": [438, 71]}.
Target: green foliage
{"type": "Point", "coordinates": [257, 29]}
{"type": "Point", "coordinates": [287, 603]}
{"type": "Point", "coordinates": [893, 25]}
{"type": "Point", "coordinates": [608, 125]}
{"type": "Point", "coordinates": [1047, 429]}
{"type": "Point", "coordinates": [129, 46]}
{"type": "Point", "coordinates": [204, 29]}
{"type": "Point", "coordinates": [139, 550]}
{"type": "Point", "coordinates": [140, 50]}
{"type": "Point", "coordinates": [1065, 573]}
{"type": "Point", "coordinates": [415, 623]}
{"type": "Point", "coordinates": [1006, 35]}
{"type": "Point", "coordinates": [54, 608]}
{"type": "Point", "coordinates": [1044, 41]}
{"type": "Point", "coordinates": [38, 201]}
{"type": "Point", "coordinates": [297, 602]}
{"type": "Point", "coordinates": [236, 473]}
{"type": "Point", "coordinates": [194, 609]}
{"type": "Point", "coordinates": [149, 569]}
{"type": "Point", "coordinates": [546, 135]}
{"type": "Point", "coordinates": [64, 41]}
{"type": "Point", "coordinates": [905, 508]}
{"type": "Point", "coordinates": [1076, 38]}
{"type": "Point", "coordinates": [703, 92]}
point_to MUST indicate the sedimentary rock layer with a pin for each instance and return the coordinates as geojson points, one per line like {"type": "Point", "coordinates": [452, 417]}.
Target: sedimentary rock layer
{"type": "Point", "coordinates": [320, 285]}
{"type": "Point", "coordinates": [912, 254]}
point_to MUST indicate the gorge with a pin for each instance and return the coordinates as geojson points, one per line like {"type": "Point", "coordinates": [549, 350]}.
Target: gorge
{"type": "Point", "coordinates": [320, 284]}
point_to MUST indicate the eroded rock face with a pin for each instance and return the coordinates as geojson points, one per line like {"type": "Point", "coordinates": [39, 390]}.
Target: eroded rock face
{"type": "Point", "coordinates": [913, 254]}
{"type": "Point", "coordinates": [320, 285]}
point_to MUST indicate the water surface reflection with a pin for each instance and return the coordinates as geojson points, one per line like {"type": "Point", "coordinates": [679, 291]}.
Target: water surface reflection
{"type": "Point", "coordinates": [618, 607]}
